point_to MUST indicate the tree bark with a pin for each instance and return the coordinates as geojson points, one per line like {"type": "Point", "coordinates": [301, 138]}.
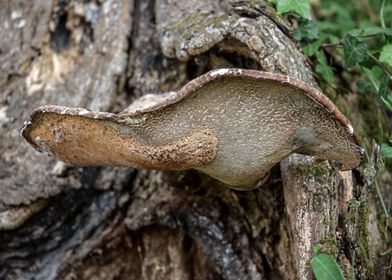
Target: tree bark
{"type": "Point", "coordinates": [64, 222]}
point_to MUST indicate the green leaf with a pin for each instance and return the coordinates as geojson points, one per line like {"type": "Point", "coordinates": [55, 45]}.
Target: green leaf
{"type": "Point", "coordinates": [321, 58]}
{"type": "Point", "coordinates": [307, 30]}
{"type": "Point", "coordinates": [338, 18]}
{"type": "Point", "coordinates": [364, 87]}
{"type": "Point", "coordinates": [327, 73]}
{"type": "Point", "coordinates": [331, 27]}
{"type": "Point", "coordinates": [386, 54]}
{"type": "Point", "coordinates": [370, 31]}
{"type": "Point", "coordinates": [386, 151]}
{"type": "Point", "coordinates": [316, 248]}
{"type": "Point", "coordinates": [373, 77]}
{"type": "Point", "coordinates": [313, 47]}
{"type": "Point", "coordinates": [323, 68]}
{"type": "Point", "coordinates": [380, 83]}
{"type": "Point", "coordinates": [377, 71]}
{"type": "Point", "coordinates": [301, 7]}
{"type": "Point", "coordinates": [384, 90]}
{"type": "Point", "coordinates": [387, 102]}
{"type": "Point", "coordinates": [355, 51]}
{"type": "Point", "coordinates": [333, 39]}
{"type": "Point", "coordinates": [325, 268]}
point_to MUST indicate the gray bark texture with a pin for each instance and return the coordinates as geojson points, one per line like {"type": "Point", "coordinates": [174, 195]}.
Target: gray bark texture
{"type": "Point", "coordinates": [63, 222]}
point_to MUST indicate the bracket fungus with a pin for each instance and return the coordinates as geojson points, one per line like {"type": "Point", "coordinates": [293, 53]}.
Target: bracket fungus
{"type": "Point", "coordinates": [232, 124]}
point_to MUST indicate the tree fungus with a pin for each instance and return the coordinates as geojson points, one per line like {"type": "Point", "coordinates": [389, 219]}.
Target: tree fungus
{"type": "Point", "coordinates": [232, 124]}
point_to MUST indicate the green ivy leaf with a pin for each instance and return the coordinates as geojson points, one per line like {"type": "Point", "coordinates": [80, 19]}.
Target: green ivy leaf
{"type": "Point", "coordinates": [386, 54]}
{"type": "Point", "coordinates": [307, 30]}
{"type": "Point", "coordinates": [313, 47]}
{"type": "Point", "coordinates": [323, 68]}
{"type": "Point", "coordinates": [355, 51]}
{"type": "Point", "coordinates": [301, 7]}
{"type": "Point", "coordinates": [327, 73]}
{"type": "Point", "coordinates": [325, 267]}
{"type": "Point", "coordinates": [334, 39]}
{"type": "Point", "coordinates": [386, 151]}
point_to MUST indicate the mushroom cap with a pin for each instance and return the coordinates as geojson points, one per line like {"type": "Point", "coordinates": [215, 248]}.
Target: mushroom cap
{"type": "Point", "coordinates": [233, 124]}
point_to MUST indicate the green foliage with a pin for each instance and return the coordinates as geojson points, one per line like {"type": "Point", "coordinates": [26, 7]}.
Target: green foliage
{"type": "Point", "coordinates": [379, 83]}
{"type": "Point", "coordinates": [363, 86]}
{"type": "Point", "coordinates": [323, 68]}
{"type": "Point", "coordinates": [308, 30]}
{"type": "Point", "coordinates": [312, 48]}
{"type": "Point", "coordinates": [301, 7]}
{"type": "Point", "coordinates": [384, 90]}
{"type": "Point", "coordinates": [356, 36]}
{"type": "Point", "coordinates": [324, 266]}
{"type": "Point", "coordinates": [386, 151]}
{"type": "Point", "coordinates": [355, 51]}
{"type": "Point", "coordinates": [386, 54]}
{"type": "Point", "coordinates": [349, 44]}
{"type": "Point", "coordinates": [374, 74]}
{"type": "Point", "coordinates": [370, 31]}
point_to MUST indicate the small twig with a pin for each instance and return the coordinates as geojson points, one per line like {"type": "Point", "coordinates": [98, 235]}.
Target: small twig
{"type": "Point", "coordinates": [330, 45]}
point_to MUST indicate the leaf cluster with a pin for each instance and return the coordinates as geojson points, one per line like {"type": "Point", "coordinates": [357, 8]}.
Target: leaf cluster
{"type": "Point", "coordinates": [349, 44]}
{"type": "Point", "coordinates": [348, 38]}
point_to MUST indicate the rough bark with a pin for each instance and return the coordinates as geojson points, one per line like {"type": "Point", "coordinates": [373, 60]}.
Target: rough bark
{"type": "Point", "coordinates": [114, 223]}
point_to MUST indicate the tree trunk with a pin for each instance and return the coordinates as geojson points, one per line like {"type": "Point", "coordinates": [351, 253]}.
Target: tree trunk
{"type": "Point", "coordinates": [63, 222]}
